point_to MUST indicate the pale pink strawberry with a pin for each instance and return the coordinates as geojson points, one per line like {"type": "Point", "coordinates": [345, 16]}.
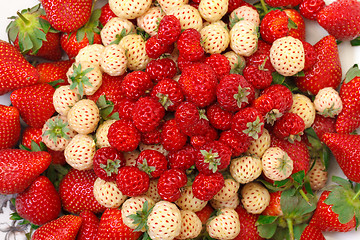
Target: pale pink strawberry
{"type": "Point", "coordinates": [65, 98]}
{"type": "Point", "coordinates": [228, 191]}
{"type": "Point", "coordinates": [244, 13]}
{"type": "Point", "coordinates": [245, 169]}
{"type": "Point", "coordinates": [255, 197]}
{"type": "Point", "coordinates": [84, 116]}
{"type": "Point", "coordinates": [214, 38]}
{"type": "Point", "coordinates": [190, 225]}
{"type": "Point", "coordinates": [244, 38]}
{"type": "Point", "coordinates": [149, 21]}
{"type": "Point", "coordinates": [80, 151]}
{"type": "Point", "coordinates": [135, 207]}
{"type": "Point", "coordinates": [113, 60]}
{"type": "Point", "coordinates": [276, 163]}
{"type": "Point", "coordinates": [213, 10]}
{"type": "Point", "coordinates": [129, 9]}
{"type": "Point", "coordinates": [328, 102]}
{"type": "Point", "coordinates": [169, 5]}
{"type": "Point", "coordinates": [102, 132]}
{"type": "Point", "coordinates": [90, 53]}
{"type": "Point", "coordinates": [231, 203]}
{"type": "Point", "coordinates": [115, 29]}
{"type": "Point", "coordinates": [304, 107]}
{"type": "Point", "coordinates": [108, 194]}
{"type": "Point", "coordinates": [135, 51]}
{"type": "Point", "coordinates": [258, 146]}
{"type": "Point", "coordinates": [318, 175]}
{"type": "Point", "coordinates": [189, 16]}
{"type": "Point", "coordinates": [188, 201]}
{"type": "Point", "coordinates": [226, 225]}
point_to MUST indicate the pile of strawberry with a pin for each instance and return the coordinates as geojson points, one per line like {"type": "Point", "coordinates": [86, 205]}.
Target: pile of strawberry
{"type": "Point", "coordinates": [209, 119]}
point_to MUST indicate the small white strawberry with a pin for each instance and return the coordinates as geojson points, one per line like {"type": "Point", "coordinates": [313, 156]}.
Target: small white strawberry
{"type": "Point", "coordinates": [305, 108]}
{"type": "Point", "coordinates": [108, 194]}
{"type": "Point", "coordinates": [113, 60]}
{"type": "Point", "coordinates": [287, 56]}
{"type": "Point", "coordinates": [255, 197]}
{"type": "Point", "coordinates": [214, 38]}
{"type": "Point", "coordinates": [90, 53]}
{"type": "Point", "coordinates": [190, 225]}
{"type": "Point", "coordinates": [213, 10]}
{"type": "Point", "coordinates": [231, 203]}
{"type": "Point", "coordinates": [102, 132]}
{"type": "Point", "coordinates": [80, 151]}
{"type": "Point", "coordinates": [129, 9]}
{"type": "Point", "coordinates": [135, 210]}
{"type": "Point", "coordinates": [164, 221]}
{"type": "Point", "coordinates": [245, 169]}
{"type": "Point", "coordinates": [134, 46]}
{"type": "Point", "coordinates": [277, 165]}
{"type": "Point", "coordinates": [84, 116]}
{"type": "Point", "coordinates": [188, 201]}
{"type": "Point", "coordinates": [115, 29]}
{"type": "Point", "coordinates": [244, 38]}
{"type": "Point", "coordinates": [225, 226]}
{"type": "Point", "coordinates": [130, 157]}
{"type": "Point", "coordinates": [228, 191]}
{"type": "Point", "coordinates": [157, 147]}
{"type": "Point", "coordinates": [56, 133]}
{"type": "Point", "coordinates": [189, 17]}
{"type": "Point", "coordinates": [258, 146]}
{"type": "Point", "coordinates": [85, 77]}
{"type": "Point", "coordinates": [150, 20]}
{"type": "Point", "coordinates": [237, 62]}
{"type": "Point", "coordinates": [65, 98]}
{"type": "Point", "coordinates": [318, 175]}
{"type": "Point", "coordinates": [152, 191]}
{"type": "Point", "coordinates": [328, 102]}
{"type": "Point", "coordinates": [168, 5]}
{"type": "Point", "coordinates": [244, 13]}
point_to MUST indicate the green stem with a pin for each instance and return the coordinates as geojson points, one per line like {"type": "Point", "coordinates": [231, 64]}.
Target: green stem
{"type": "Point", "coordinates": [263, 4]}
{"type": "Point", "coordinates": [23, 18]}
{"type": "Point", "coordinates": [291, 228]}
{"type": "Point", "coordinates": [356, 195]}
{"type": "Point", "coordinates": [304, 196]}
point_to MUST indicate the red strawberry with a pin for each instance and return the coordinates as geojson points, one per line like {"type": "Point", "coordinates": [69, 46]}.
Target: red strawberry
{"type": "Point", "coordinates": [169, 93]}
{"type": "Point", "coordinates": [310, 8]}
{"type": "Point", "coordinates": [258, 76]}
{"type": "Point", "coordinates": [182, 159]}
{"type": "Point", "coordinates": [123, 135]}
{"type": "Point", "coordinates": [15, 71]}
{"type": "Point", "coordinates": [172, 138]}
{"type": "Point", "coordinates": [19, 168]}
{"type": "Point", "coordinates": [326, 71]}
{"type": "Point", "coordinates": [205, 213]}
{"type": "Point", "coordinates": [107, 161]}
{"type": "Point", "coordinates": [310, 55]}
{"type": "Point", "coordinates": [89, 226]}
{"type": "Point", "coordinates": [76, 192]}
{"type": "Point", "coordinates": [238, 142]}
{"type": "Point", "coordinates": [106, 14]}
{"type": "Point", "coordinates": [67, 16]}
{"type": "Point", "coordinates": [159, 69]}
{"type": "Point", "coordinates": [294, 16]}
{"type": "Point", "coordinates": [346, 150]}
{"type": "Point", "coordinates": [348, 119]}
{"type": "Point", "coordinates": [132, 182]}
{"type": "Point", "coordinates": [311, 232]}
{"type": "Point", "coordinates": [169, 30]}
{"type": "Point", "coordinates": [124, 107]}
{"type": "Point", "coordinates": [341, 19]}
{"type": "Point", "coordinates": [274, 25]}
{"type": "Point", "coordinates": [152, 162]}
{"type": "Point", "coordinates": [39, 203]}
{"type": "Point", "coordinates": [35, 103]}
{"type": "Point", "coordinates": [274, 208]}
{"type": "Point", "coordinates": [169, 184]}
{"type": "Point", "coordinates": [220, 64]}
{"type": "Point", "coordinates": [290, 127]}
{"type": "Point", "coordinates": [189, 45]}
{"type": "Point", "coordinates": [205, 187]}
{"type": "Point", "coordinates": [323, 124]}
{"type": "Point", "coordinates": [66, 226]}
{"type": "Point", "coordinates": [9, 126]}
{"type": "Point", "coordinates": [154, 136]}
{"type": "Point", "coordinates": [248, 225]}
{"type": "Point", "coordinates": [53, 71]}
{"type": "Point", "coordinates": [283, 3]}
{"type": "Point", "coordinates": [249, 121]}
{"type": "Point", "coordinates": [154, 48]}
{"type": "Point", "coordinates": [218, 117]}
{"type": "Point", "coordinates": [135, 84]}
{"type": "Point", "coordinates": [198, 141]}
{"type": "Point", "coordinates": [111, 227]}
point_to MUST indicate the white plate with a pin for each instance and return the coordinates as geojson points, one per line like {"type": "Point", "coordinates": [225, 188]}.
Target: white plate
{"type": "Point", "coordinates": [348, 55]}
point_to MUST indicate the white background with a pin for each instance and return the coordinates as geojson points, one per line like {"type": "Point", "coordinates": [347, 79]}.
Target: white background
{"type": "Point", "coordinates": [349, 56]}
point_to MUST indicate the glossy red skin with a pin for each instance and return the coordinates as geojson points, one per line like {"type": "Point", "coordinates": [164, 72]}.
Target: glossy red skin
{"type": "Point", "coordinates": [102, 156]}
{"type": "Point", "coordinates": [239, 143]}
{"type": "Point", "coordinates": [169, 29]}
{"type": "Point", "coordinates": [159, 69]}
{"type": "Point", "coordinates": [124, 107]}
{"type": "Point", "coordinates": [310, 55]}
{"type": "Point", "coordinates": [218, 117]}
{"type": "Point", "coordinates": [205, 213]}
{"type": "Point", "coordinates": [247, 225]}
{"type": "Point", "coordinates": [311, 232]}
{"type": "Point", "coordinates": [220, 64]}
{"type": "Point", "coordinates": [283, 3]}
{"type": "Point", "coordinates": [257, 77]}
{"type": "Point", "coordinates": [199, 141]}
{"type": "Point", "coordinates": [205, 187]}
{"type": "Point", "coordinates": [274, 25]}
{"type": "Point", "coordinates": [289, 124]}
{"type": "Point", "coordinates": [135, 84]}
{"type": "Point", "coordinates": [154, 48]}
{"type": "Point", "coordinates": [323, 124]}
{"type": "Point", "coordinates": [171, 137]}
{"type": "Point", "coordinates": [89, 226]}
{"type": "Point", "coordinates": [77, 192]}
{"type": "Point", "coordinates": [132, 182]}
{"type": "Point", "coordinates": [295, 16]}
{"type": "Point", "coordinates": [326, 220]}
{"type": "Point", "coordinates": [245, 116]}
{"type": "Point", "coordinates": [153, 137]}
{"type": "Point", "coordinates": [169, 184]}
{"type": "Point", "coordinates": [53, 71]}
{"type": "Point", "coordinates": [10, 127]}
{"type": "Point", "coordinates": [72, 47]}
{"type": "Point", "coordinates": [172, 90]}
{"type": "Point", "coordinates": [274, 208]}
{"type": "Point", "coordinates": [189, 45]}
{"type": "Point", "coordinates": [182, 159]}
{"type": "Point", "coordinates": [124, 136]}
{"type": "Point", "coordinates": [310, 8]}
{"type": "Point", "coordinates": [39, 203]}
{"type": "Point", "coordinates": [154, 159]}
{"type": "Point", "coordinates": [106, 14]}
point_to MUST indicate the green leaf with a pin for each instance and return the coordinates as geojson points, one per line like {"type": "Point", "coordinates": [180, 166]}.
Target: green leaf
{"type": "Point", "coordinates": [352, 73]}
{"type": "Point", "coordinates": [298, 230]}
{"type": "Point", "coordinates": [267, 231]}
{"type": "Point", "coordinates": [345, 183]}
{"type": "Point", "coordinates": [265, 219]}
{"type": "Point", "coordinates": [292, 24]}
{"type": "Point", "coordinates": [15, 216]}
{"type": "Point", "coordinates": [80, 34]}
{"type": "Point", "coordinates": [299, 177]}
{"type": "Point", "coordinates": [293, 204]}
{"type": "Point", "coordinates": [299, 74]}
{"type": "Point", "coordinates": [355, 42]}
{"type": "Point", "coordinates": [277, 78]}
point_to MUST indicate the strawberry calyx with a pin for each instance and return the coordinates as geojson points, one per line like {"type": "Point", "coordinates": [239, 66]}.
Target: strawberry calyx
{"type": "Point", "coordinates": [352, 73]}
{"type": "Point", "coordinates": [145, 167]}
{"type": "Point", "coordinates": [140, 217]}
{"type": "Point", "coordinates": [234, 20]}
{"type": "Point", "coordinates": [317, 148]}
{"type": "Point", "coordinates": [111, 166]}
{"type": "Point", "coordinates": [212, 158]}
{"type": "Point", "coordinates": [79, 78]}
{"type": "Point", "coordinates": [254, 128]}
{"type": "Point", "coordinates": [58, 128]}
{"type": "Point", "coordinates": [294, 137]}
{"type": "Point", "coordinates": [164, 100]}
{"type": "Point", "coordinates": [90, 28]}
{"type": "Point", "coordinates": [330, 112]}
{"type": "Point", "coordinates": [241, 95]}
{"type": "Point", "coordinates": [106, 109]}
{"type": "Point", "coordinates": [272, 116]}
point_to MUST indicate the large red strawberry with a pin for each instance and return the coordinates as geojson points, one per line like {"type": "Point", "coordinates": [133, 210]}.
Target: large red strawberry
{"type": "Point", "coordinates": [311, 232]}
{"type": "Point", "coordinates": [9, 126]}
{"type": "Point", "coordinates": [283, 3]}
{"type": "Point", "coordinates": [54, 71]}
{"type": "Point", "coordinates": [15, 71]}
{"type": "Point", "coordinates": [205, 187]}
{"type": "Point", "coordinates": [89, 226]}
{"type": "Point", "coordinates": [326, 71]}
{"type": "Point", "coordinates": [39, 203]}
{"type": "Point", "coordinates": [35, 103]}
{"type": "Point", "coordinates": [341, 19]}
{"type": "Point", "coordinates": [67, 16]}
{"type": "Point", "coordinates": [248, 225]}
{"type": "Point", "coordinates": [153, 162]}
{"type": "Point", "coordinates": [64, 228]}
{"type": "Point", "coordinates": [132, 182]}
{"type": "Point", "coordinates": [19, 168]}
{"type": "Point", "coordinates": [170, 183]}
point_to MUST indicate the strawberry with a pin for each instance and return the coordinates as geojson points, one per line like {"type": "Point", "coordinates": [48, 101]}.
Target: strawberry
{"type": "Point", "coordinates": [198, 141]}
{"type": "Point", "coordinates": [297, 32]}
{"type": "Point", "coordinates": [90, 53]}
{"type": "Point", "coordinates": [107, 194]}
{"type": "Point", "coordinates": [258, 76]}
{"type": "Point", "coordinates": [290, 127]}
{"type": "Point", "coordinates": [80, 151]}
{"type": "Point", "coordinates": [101, 134]}
{"type": "Point", "coordinates": [344, 27]}
{"type": "Point", "coordinates": [131, 9]}
{"type": "Point", "coordinates": [328, 102]}
{"type": "Point", "coordinates": [190, 225]}
{"type": "Point", "coordinates": [213, 10]}
{"type": "Point", "coordinates": [170, 183]}
{"type": "Point", "coordinates": [149, 21]}
{"type": "Point", "coordinates": [218, 117]}
{"type": "Point", "coordinates": [283, 3]}
{"type": "Point", "coordinates": [84, 116]}
{"type": "Point", "coordinates": [66, 226]}
{"type": "Point", "coordinates": [154, 49]}
{"type": "Point", "coordinates": [123, 135]}
{"type": "Point", "coordinates": [169, 30]}
{"type": "Point", "coordinates": [311, 232]}
{"type": "Point", "coordinates": [255, 197]}
{"type": "Point", "coordinates": [135, 210]}
{"type": "Point", "coordinates": [76, 192]}
{"type": "Point", "coordinates": [15, 71]}
{"type": "Point", "coordinates": [274, 207]}
{"type": "Point", "coordinates": [159, 69]}
{"type": "Point", "coordinates": [229, 190]}
{"type": "Point", "coordinates": [304, 107]}
{"type": "Point", "coordinates": [34, 103]}
{"type": "Point", "coordinates": [169, 93]}
{"type": "Point", "coordinates": [244, 13]}
{"type": "Point", "coordinates": [245, 169]}
{"type": "Point", "coordinates": [249, 121]}
{"type": "Point", "coordinates": [53, 71]}
{"type": "Point", "coordinates": [115, 29]}
{"type": "Point", "coordinates": [318, 175]}
{"type": "Point", "coordinates": [154, 136]}
{"type": "Point", "coordinates": [347, 120]}
{"type": "Point", "coordinates": [247, 225]}
{"type": "Point", "coordinates": [326, 72]}
{"type": "Point", "coordinates": [215, 38]}
{"type": "Point", "coordinates": [310, 55]}
{"type": "Point", "coordinates": [188, 15]}
{"type": "Point", "coordinates": [205, 213]}
{"type": "Point", "coordinates": [152, 162]}
{"type": "Point", "coordinates": [225, 225]}
{"type": "Point", "coordinates": [187, 200]}
{"type": "Point", "coordinates": [244, 38]}
{"type": "Point", "coordinates": [168, 6]}
{"type": "Point", "coordinates": [132, 182]}
{"type": "Point", "coordinates": [232, 203]}
{"type": "Point", "coordinates": [67, 16]}
{"type": "Point", "coordinates": [345, 148]}
{"type": "Point", "coordinates": [106, 14]}
{"type": "Point", "coordinates": [205, 187]}
{"type": "Point", "coordinates": [10, 126]}
{"type": "Point", "coordinates": [274, 25]}
{"type": "Point", "coordinates": [258, 146]}
{"type": "Point", "coordinates": [135, 84]}
{"type": "Point", "coordinates": [323, 125]}
{"type": "Point", "coordinates": [107, 161]}
{"type": "Point", "coordinates": [39, 203]}
{"type": "Point", "coordinates": [89, 226]}
{"type": "Point", "coordinates": [311, 8]}
{"type": "Point", "coordinates": [237, 141]}
{"type": "Point", "coordinates": [189, 45]}
{"type": "Point", "coordinates": [182, 159]}
{"type": "Point", "coordinates": [112, 226]}
{"type": "Point", "coordinates": [276, 164]}
{"type": "Point", "coordinates": [135, 50]}
{"type": "Point", "coordinates": [20, 168]}
{"type": "Point", "coordinates": [220, 64]}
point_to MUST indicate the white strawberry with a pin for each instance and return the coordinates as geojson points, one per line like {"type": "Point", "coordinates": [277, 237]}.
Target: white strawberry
{"type": "Point", "coordinates": [225, 226]}
{"type": "Point", "coordinates": [168, 5]}
{"type": "Point", "coordinates": [108, 194]}
{"type": "Point", "coordinates": [64, 98]}
{"type": "Point", "coordinates": [244, 38]}
{"type": "Point", "coordinates": [258, 146]}
{"type": "Point", "coordinates": [328, 102]}
{"type": "Point", "coordinates": [84, 116]}
{"type": "Point", "coordinates": [231, 203]}
{"type": "Point", "coordinates": [115, 29]}
{"type": "Point", "coordinates": [228, 191]}
{"type": "Point", "coordinates": [255, 197]}
{"type": "Point", "coordinates": [277, 165]}
{"type": "Point", "coordinates": [305, 108]}
{"type": "Point", "coordinates": [80, 151]}
{"type": "Point", "coordinates": [130, 157]}
{"type": "Point", "coordinates": [56, 133]}
{"type": "Point", "coordinates": [188, 201]}
{"type": "Point", "coordinates": [129, 9]}
{"type": "Point", "coordinates": [287, 56]}
{"type": "Point", "coordinates": [135, 210]}
{"type": "Point", "coordinates": [85, 77]}
{"type": "Point", "coordinates": [245, 169]}
{"type": "Point", "coordinates": [244, 13]}
{"type": "Point", "coordinates": [318, 175]}
{"type": "Point", "coordinates": [90, 53]}
{"type": "Point", "coordinates": [134, 46]}
{"type": "Point", "coordinates": [150, 20]}
{"type": "Point", "coordinates": [213, 10]}
{"type": "Point", "coordinates": [152, 191]}
{"type": "Point", "coordinates": [189, 17]}
{"type": "Point", "coordinates": [190, 225]}
{"type": "Point", "coordinates": [113, 60]}
{"type": "Point", "coordinates": [102, 132]}
{"type": "Point", "coordinates": [237, 62]}
{"type": "Point", "coordinates": [214, 38]}
{"type": "Point", "coordinates": [164, 221]}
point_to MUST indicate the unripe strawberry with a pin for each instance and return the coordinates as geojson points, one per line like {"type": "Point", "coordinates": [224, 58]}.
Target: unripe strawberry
{"type": "Point", "coordinates": [305, 108]}
{"type": "Point", "coordinates": [328, 102]}
{"type": "Point", "coordinates": [149, 21]}
{"type": "Point", "coordinates": [244, 38]}
{"type": "Point", "coordinates": [101, 134]}
{"type": "Point", "coordinates": [80, 151]}
{"type": "Point", "coordinates": [231, 203]}
{"type": "Point", "coordinates": [226, 225]}
{"type": "Point", "coordinates": [134, 46]}
{"type": "Point", "coordinates": [153, 192]}
{"type": "Point", "coordinates": [84, 116]}
{"type": "Point", "coordinates": [237, 62]}
{"type": "Point", "coordinates": [188, 201]}
{"type": "Point", "coordinates": [169, 5]}
{"type": "Point", "coordinates": [130, 157]}
{"type": "Point", "coordinates": [90, 53]}
{"type": "Point", "coordinates": [244, 13]}
{"type": "Point", "coordinates": [255, 197]}
{"type": "Point", "coordinates": [245, 169]}
{"type": "Point", "coordinates": [213, 10]}
{"type": "Point", "coordinates": [129, 9]}
{"type": "Point", "coordinates": [229, 190]}
{"type": "Point", "coordinates": [214, 38]}
{"type": "Point", "coordinates": [189, 17]}
{"type": "Point", "coordinates": [190, 225]}
{"type": "Point", "coordinates": [115, 29]}
{"type": "Point", "coordinates": [136, 206]}
{"type": "Point", "coordinates": [113, 60]}
{"type": "Point", "coordinates": [276, 163]}
{"type": "Point", "coordinates": [258, 146]}
{"type": "Point", "coordinates": [108, 194]}
{"type": "Point", "coordinates": [318, 175]}
{"type": "Point", "coordinates": [65, 98]}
